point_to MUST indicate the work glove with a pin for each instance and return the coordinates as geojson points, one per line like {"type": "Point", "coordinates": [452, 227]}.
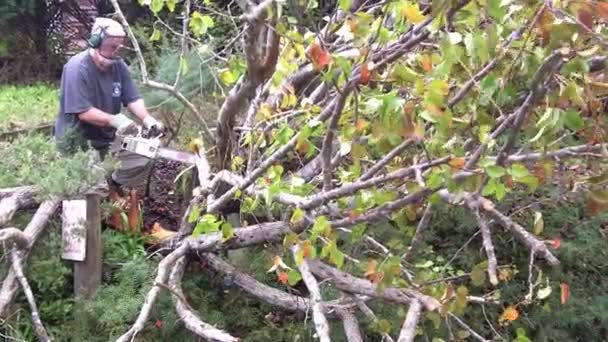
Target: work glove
{"type": "Point", "coordinates": [153, 125]}
{"type": "Point", "coordinates": [124, 125]}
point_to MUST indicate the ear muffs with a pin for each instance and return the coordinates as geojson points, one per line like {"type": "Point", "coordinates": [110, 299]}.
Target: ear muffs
{"type": "Point", "coordinates": [95, 40]}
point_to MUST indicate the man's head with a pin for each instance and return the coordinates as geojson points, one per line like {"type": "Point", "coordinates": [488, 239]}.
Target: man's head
{"type": "Point", "coordinates": [107, 40]}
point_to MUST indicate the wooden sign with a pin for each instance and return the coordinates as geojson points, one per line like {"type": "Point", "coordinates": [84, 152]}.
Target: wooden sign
{"type": "Point", "coordinates": [74, 230]}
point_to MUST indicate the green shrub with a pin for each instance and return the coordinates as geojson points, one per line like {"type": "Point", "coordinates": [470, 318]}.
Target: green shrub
{"type": "Point", "coordinates": [27, 106]}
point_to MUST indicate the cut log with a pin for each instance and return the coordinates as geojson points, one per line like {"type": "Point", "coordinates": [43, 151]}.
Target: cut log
{"type": "Point", "coordinates": [87, 273]}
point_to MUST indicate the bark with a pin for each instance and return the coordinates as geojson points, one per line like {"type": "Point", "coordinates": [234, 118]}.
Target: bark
{"type": "Point", "coordinates": [408, 330]}
{"type": "Point", "coordinates": [321, 324]}
{"type": "Point", "coordinates": [352, 284]}
{"type": "Point", "coordinates": [20, 198]}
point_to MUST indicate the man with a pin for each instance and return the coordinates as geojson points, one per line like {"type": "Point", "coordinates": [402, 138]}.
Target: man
{"type": "Point", "coordinates": [94, 85]}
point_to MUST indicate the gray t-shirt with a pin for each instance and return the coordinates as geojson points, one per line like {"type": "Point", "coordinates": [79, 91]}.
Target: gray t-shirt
{"type": "Point", "coordinates": [84, 85]}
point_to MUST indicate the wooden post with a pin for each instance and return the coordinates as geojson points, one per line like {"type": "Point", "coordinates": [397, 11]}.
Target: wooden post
{"type": "Point", "coordinates": [87, 273]}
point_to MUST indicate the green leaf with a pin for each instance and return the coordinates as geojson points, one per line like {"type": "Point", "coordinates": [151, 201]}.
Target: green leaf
{"type": "Point", "coordinates": [544, 292]}
{"type": "Point", "coordinates": [227, 231]}
{"type": "Point", "coordinates": [183, 65]}
{"type": "Point", "coordinates": [518, 171]}
{"type": "Point", "coordinates": [357, 232]}
{"type": "Point", "coordinates": [573, 120]}
{"type": "Point", "coordinates": [171, 5]}
{"type": "Point", "coordinates": [226, 76]}
{"type": "Point", "coordinates": [155, 35]}
{"type": "Point", "coordinates": [344, 4]}
{"type": "Point", "coordinates": [208, 223]}
{"type": "Point", "coordinates": [296, 216]}
{"type": "Point", "coordinates": [200, 23]}
{"type": "Point", "coordinates": [495, 171]}
{"type": "Point", "coordinates": [293, 277]}
{"type": "Point", "coordinates": [194, 214]}
{"type": "Point", "coordinates": [157, 5]}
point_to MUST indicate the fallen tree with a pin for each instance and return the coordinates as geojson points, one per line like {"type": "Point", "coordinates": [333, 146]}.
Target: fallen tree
{"type": "Point", "coordinates": [388, 110]}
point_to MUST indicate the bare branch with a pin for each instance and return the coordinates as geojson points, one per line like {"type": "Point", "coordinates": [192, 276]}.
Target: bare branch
{"type": "Point", "coordinates": [321, 324]}
{"type": "Point", "coordinates": [386, 159]}
{"type": "Point", "coordinates": [161, 278]}
{"type": "Point", "coordinates": [352, 284]}
{"type": "Point", "coordinates": [579, 151]}
{"type": "Point", "coordinates": [371, 315]}
{"type": "Point", "coordinates": [17, 267]}
{"type": "Point", "coordinates": [467, 328]}
{"type": "Point", "coordinates": [34, 229]}
{"type": "Point", "coordinates": [187, 314]}
{"type": "Point", "coordinates": [408, 330]}
{"type": "Point", "coordinates": [21, 197]}
{"type": "Point", "coordinates": [419, 234]}
{"type": "Point", "coordinates": [326, 150]}
{"type": "Point", "coordinates": [255, 288]}
{"type": "Point", "coordinates": [351, 326]}
{"type": "Point", "coordinates": [487, 243]}
{"type": "Point", "coordinates": [15, 235]}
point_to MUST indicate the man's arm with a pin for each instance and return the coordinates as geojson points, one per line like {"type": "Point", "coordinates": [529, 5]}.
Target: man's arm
{"type": "Point", "coordinates": [96, 117]}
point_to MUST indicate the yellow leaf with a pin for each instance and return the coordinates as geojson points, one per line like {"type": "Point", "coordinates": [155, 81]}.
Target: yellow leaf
{"type": "Point", "coordinates": [457, 163]}
{"type": "Point", "coordinates": [158, 233]}
{"type": "Point", "coordinates": [412, 13]}
{"type": "Point", "coordinates": [265, 111]}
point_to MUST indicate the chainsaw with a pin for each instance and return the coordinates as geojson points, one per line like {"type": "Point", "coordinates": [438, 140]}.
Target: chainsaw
{"type": "Point", "coordinates": [149, 145]}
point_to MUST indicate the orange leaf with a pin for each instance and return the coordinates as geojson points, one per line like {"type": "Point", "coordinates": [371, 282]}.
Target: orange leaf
{"type": "Point", "coordinates": [585, 16]}
{"type": "Point", "coordinates": [302, 146]}
{"type": "Point", "coordinates": [411, 129]}
{"type": "Point", "coordinates": [544, 25]}
{"type": "Point", "coordinates": [364, 74]}
{"type": "Point", "coordinates": [556, 243]}
{"type": "Point", "coordinates": [371, 267]}
{"type": "Point", "coordinates": [319, 56]}
{"type": "Point", "coordinates": [134, 210]}
{"type": "Point", "coordinates": [352, 24]}
{"type": "Point", "coordinates": [361, 125]}
{"type": "Point", "coordinates": [565, 296]}
{"type": "Point", "coordinates": [510, 314]}
{"type": "Point", "coordinates": [158, 324]}
{"type": "Point", "coordinates": [427, 64]}
{"type": "Point", "coordinates": [283, 277]}
{"type": "Point", "coordinates": [602, 9]}
{"type": "Point", "coordinates": [306, 249]}
{"type": "Point", "coordinates": [457, 163]}
{"type": "Point", "coordinates": [159, 233]}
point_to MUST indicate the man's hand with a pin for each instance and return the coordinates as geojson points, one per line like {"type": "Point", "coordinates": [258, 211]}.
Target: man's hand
{"type": "Point", "coordinates": [152, 124]}
{"type": "Point", "coordinates": [124, 125]}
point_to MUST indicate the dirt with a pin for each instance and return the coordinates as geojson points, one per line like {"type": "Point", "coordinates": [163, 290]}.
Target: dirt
{"type": "Point", "coordinates": [165, 203]}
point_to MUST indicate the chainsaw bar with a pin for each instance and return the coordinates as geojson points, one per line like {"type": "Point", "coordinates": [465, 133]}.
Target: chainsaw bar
{"type": "Point", "coordinates": [178, 156]}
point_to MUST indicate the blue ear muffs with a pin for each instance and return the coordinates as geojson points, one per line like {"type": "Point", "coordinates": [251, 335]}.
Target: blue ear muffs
{"type": "Point", "coordinates": [95, 40]}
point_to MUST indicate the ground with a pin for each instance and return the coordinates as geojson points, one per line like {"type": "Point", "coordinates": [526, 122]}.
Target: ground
{"type": "Point", "coordinates": [165, 202]}
{"type": "Point", "coordinates": [162, 201]}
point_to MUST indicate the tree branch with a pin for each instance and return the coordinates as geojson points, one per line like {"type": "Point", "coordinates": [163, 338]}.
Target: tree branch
{"type": "Point", "coordinates": [34, 229]}
{"type": "Point", "coordinates": [352, 284]}
{"type": "Point", "coordinates": [487, 242]}
{"type": "Point", "coordinates": [17, 267]}
{"type": "Point", "coordinates": [187, 314]}
{"type": "Point", "coordinates": [161, 278]}
{"type": "Point", "coordinates": [321, 324]}
{"type": "Point", "coordinates": [15, 235]}
{"type": "Point", "coordinates": [419, 234]}
{"type": "Point", "coordinates": [351, 326]}
{"type": "Point", "coordinates": [408, 330]}
{"type": "Point", "coordinates": [21, 197]}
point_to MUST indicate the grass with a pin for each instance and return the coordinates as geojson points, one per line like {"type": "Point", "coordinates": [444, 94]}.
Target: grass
{"type": "Point", "coordinates": [27, 106]}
